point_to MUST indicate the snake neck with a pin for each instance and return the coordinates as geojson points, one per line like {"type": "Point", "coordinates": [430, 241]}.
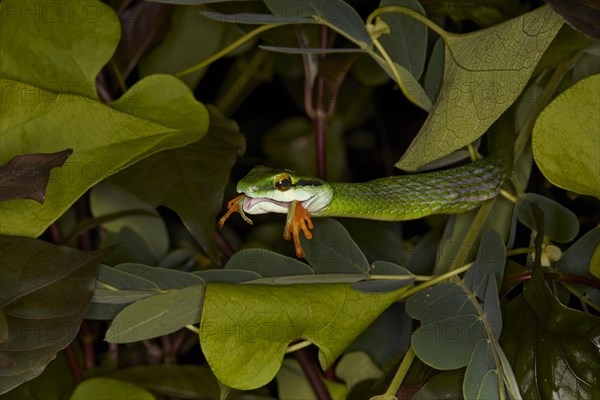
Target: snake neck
{"type": "Point", "coordinates": [406, 197]}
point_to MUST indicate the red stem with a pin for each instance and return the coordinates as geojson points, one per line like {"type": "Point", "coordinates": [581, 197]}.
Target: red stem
{"type": "Point", "coordinates": [312, 374]}
{"type": "Point", "coordinates": [558, 277]}
{"type": "Point", "coordinates": [73, 364]}
{"type": "Point", "coordinates": [224, 245]}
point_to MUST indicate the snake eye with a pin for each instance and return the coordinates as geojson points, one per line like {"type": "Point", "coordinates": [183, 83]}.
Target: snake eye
{"type": "Point", "coordinates": [283, 182]}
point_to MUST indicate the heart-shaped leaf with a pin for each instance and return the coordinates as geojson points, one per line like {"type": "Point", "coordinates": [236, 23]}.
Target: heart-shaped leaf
{"type": "Point", "coordinates": [246, 329]}
{"type": "Point", "coordinates": [484, 73]}
{"type": "Point", "coordinates": [49, 103]}
{"type": "Point", "coordinates": [45, 293]}
{"type": "Point", "coordinates": [566, 138]}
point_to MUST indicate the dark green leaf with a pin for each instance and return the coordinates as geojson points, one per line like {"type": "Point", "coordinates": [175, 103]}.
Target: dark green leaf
{"type": "Point", "coordinates": [482, 378]}
{"type": "Point", "coordinates": [164, 278]}
{"type": "Point", "coordinates": [53, 383]}
{"type": "Point", "coordinates": [336, 13]}
{"type": "Point", "coordinates": [45, 293]}
{"type": "Point", "coordinates": [407, 41]}
{"type": "Point", "coordinates": [26, 176]}
{"type": "Point", "coordinates": [226, 275]}
{"type": "Point", "coordinates": [109, 296]}
{"type": "Point", "coordinates": [173, 53]}
{"type": "Point", "coordinates": [253, 18]}
{"type": "Point", "coordinates": [332, 250]}
{"type": "Point", "coordinates": [553, 349]}
{"type": "Point", "coordinates": [122, 280]}
{"type": "Point", "coordinates": [378, 240]}
{"type": "Point", "coordinates": [435, 70]}
{"type": "Point", "coordinates": [491, 258]}
{"type": "Point", "coordinates": [564, 46]}
{"type": "Point", "coordinates": [577, 259]}
{"type": "Point", "coordinates": [583, 15]}
{"type": "Point", "coordinates": [190, 180]}
{"type": "Point", "coordinates": [445, 385]}
{"type": "Point", "coordinates": [267, 263]}
{"type": "Point", "coordinates": [450, 326]}
{"type": "Point", "coordinates": [129, 247]}
{"type": "Point", "coordinates": [561, 223]}
{"type": "Point", "coordinates": [461, 323]}
{"type": "Point", "coordinates": [157, 315]}
{"type": "Point", "coordinates": [106, 199]}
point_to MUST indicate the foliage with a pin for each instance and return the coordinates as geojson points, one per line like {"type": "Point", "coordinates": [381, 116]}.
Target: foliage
{"type": "Point", "coordinates": [122, 135]}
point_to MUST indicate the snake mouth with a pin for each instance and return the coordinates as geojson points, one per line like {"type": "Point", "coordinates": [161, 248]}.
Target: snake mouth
{"type": "Point", "coordinates": [263, 205]}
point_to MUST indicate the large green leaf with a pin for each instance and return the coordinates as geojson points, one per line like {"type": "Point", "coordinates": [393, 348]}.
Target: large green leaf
{"type": "Point", "coordinates": [484, 73]}
{"type": "Point", "coordinates": [578, 258]}
{"type": "Point", "coordinates": [49, 103]}
{"type": "Point", "coordinates": [553, 349]}
{"type": "Point", "coordinates": [45, 293]}
{"type": "Point", "coordinates": [110, 389]}
{"type": "Point", "coordinates": [246, 329]}
{"type": "Point", "coordinates": [566, 138]}
{"type": "Point", "coordinates": [190, 180]}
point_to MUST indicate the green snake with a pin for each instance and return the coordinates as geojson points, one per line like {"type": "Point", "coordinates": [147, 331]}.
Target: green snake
{"type": "Point", "coordinates": [394, 198]}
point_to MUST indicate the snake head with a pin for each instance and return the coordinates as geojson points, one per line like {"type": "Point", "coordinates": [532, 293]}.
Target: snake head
{"type": "Point", "coordinates": [271, 190]}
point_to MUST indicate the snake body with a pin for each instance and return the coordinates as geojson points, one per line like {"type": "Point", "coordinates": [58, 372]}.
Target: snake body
{"type": "Point", "coordinates": [399, 198]}
{"type": "Point", "coordinates": [395, 198]}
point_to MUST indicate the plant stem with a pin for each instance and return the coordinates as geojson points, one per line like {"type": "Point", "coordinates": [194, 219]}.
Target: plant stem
{"type": "Point", "coordinates": [73, 364]}
{"type": "Point", "coordinates": [411, 13]}
{"type": "Point", "coordinates": [401, 373]}
{"type": "Point", "coordinates": [193, 329]}
{"type": "Point", "coordinates": [224, 245]}
{"type": "Point", "coordinates": [297, 346]}
{"type": "Point", "coordinates": [469, 240]}
{"type": "Point", "coordinates": [522, 250]}
{"type": "Point", "coordinates": [229, 48]}
{"type": "Point", "coordinates": [233, 96]}
{"type": "Point", "coordinates": [435, 281]}
{"type": "Point", "coordinates": [312, 374]}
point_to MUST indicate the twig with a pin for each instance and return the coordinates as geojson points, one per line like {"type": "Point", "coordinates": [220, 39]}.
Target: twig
{"type": "Point", "coordinates": [312, 374]}
{"type": "Point", "coordinates": [73, 364]}
{"type": "Point", "coordinates": [224, 245]}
